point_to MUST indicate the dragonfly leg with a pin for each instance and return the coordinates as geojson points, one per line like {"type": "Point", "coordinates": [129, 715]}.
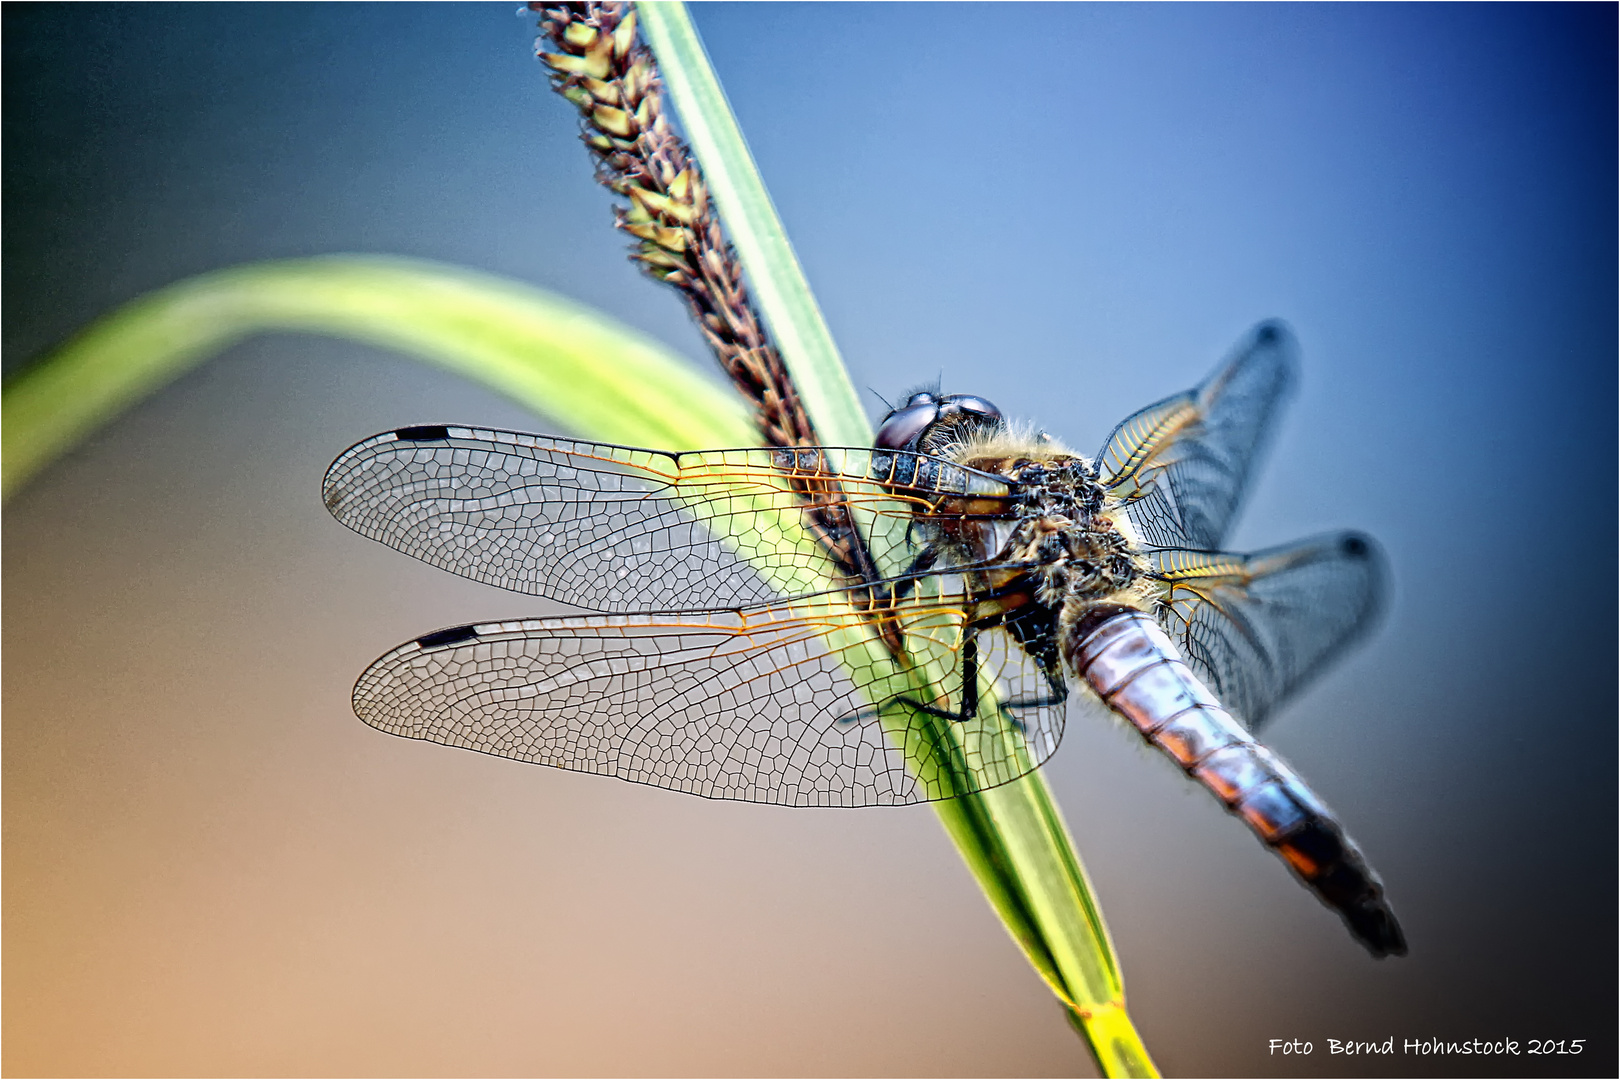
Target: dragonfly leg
{"type": "Point", "coordinates": [970, 695]}
{"type": "Point", "coordinates": [924, 562]}
{"type": "Point", "coordinates": [970, 699]}
{"type": "Point", "coordinates": [1033, 629]}
{"type": "Point", "coordinates": [1059, 693]}
{"type": "Point", "coordinates": [970, 684]}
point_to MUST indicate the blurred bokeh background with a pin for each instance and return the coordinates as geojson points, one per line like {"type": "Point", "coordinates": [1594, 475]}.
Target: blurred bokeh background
{"type": "Point", "coordinates": [212, 868]}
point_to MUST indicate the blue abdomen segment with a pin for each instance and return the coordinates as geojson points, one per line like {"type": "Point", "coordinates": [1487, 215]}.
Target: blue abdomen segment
{"type": "Point", "coordinates": [1126, 658]}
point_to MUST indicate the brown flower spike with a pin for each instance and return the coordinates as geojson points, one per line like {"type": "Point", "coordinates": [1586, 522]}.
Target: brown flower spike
{"type": "Point", "coordinates": [601, 66]}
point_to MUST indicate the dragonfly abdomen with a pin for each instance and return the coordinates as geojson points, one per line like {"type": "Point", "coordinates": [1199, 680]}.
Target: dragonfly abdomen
{"type": "Point", "coordinates": [1126, 658]}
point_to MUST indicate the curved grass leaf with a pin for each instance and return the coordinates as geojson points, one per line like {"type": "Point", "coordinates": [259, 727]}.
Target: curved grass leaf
{"type": "Point", "coordinates": [548, 353]}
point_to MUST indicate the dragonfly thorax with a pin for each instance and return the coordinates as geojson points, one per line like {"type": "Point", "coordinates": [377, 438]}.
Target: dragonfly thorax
{"type": "Point", "coordinates": [1058, 533]}
{"type": "Point", "coordinates": [1062, 543]}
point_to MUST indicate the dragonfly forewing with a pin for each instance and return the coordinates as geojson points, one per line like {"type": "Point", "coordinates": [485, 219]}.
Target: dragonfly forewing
{"type": "Point", "coordinates": [1182, 465]}
{"type": "Point", "coordinates": [613, 528]}
{"type": "Point", "coordinates": [608, 528]}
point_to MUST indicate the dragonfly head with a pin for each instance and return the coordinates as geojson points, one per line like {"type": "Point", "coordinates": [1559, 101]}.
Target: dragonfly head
{"type": "Point", "coordinates": [928, 422]}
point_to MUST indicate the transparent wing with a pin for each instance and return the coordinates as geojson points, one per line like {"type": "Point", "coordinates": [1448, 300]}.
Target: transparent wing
{"type": "Point", "coordinates": [1181, 466]}
{"type": "Point", "coordinates": [1258, 627]}
{"type": "Point", "coordinates": [614, 528]}
{"type": "Point", "coordinates": [795, 704]}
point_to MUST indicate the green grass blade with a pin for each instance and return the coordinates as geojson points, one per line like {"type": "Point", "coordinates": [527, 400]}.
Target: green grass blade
{"type": "Point", "coordinates": [1012, 837]}
{"type": "Point", "coordinates": [779, 286]}
{"type": "Point", "coordinates": [550, 354]}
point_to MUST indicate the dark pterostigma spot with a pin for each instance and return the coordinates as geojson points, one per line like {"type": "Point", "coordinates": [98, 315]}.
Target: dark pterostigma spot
{"type": "Point", "coordinates": [422, 433]}
{"type": "Point", "coordinates": [453, 636]}
{"type": "Point", "coordinates": [1354, 546]}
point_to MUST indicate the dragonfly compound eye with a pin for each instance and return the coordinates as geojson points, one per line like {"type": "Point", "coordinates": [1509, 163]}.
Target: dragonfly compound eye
{"type": "Point", "coordinates": [960, 418]}
{"type": "Point", "coordinates": [970, 405]}
{"type": "Point", "coordinates": [904, 426]}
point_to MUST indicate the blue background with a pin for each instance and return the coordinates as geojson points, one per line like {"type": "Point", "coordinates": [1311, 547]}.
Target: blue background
{"type": "Point", "coordinates": [212, 867]}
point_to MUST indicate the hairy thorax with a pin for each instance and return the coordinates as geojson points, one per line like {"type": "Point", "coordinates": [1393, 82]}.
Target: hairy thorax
{"type": "Point", "coordinates": [1065, 544]}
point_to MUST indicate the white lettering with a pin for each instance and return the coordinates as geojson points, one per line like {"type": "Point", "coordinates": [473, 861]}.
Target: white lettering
{"type": "Point", "coordinates": [1347, 1046]}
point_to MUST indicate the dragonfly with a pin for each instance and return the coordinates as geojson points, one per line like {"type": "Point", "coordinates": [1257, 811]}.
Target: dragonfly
{"type": "Point", "coordinates": [883, 625]}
